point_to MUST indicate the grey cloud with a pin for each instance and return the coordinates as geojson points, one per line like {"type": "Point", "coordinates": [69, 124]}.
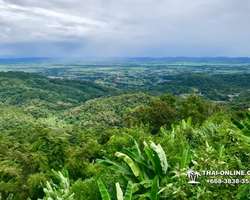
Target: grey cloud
{"type": "Point", "coordinates": [126, 27]}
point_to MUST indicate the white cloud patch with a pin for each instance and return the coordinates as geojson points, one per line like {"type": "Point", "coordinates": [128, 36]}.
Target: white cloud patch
{"type": "Point", "coordinates": [125, 27]}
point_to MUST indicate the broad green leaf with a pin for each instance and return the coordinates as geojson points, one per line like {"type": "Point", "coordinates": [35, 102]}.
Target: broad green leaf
{"type": "Point", "coordinates": [246, 132]}
{"type": "Point", "coordinates": [146, 172]}
{"type": "Point", "coordinates": [154, 159]}
{"type": "Point", "coordinates": [138, 159]}
{"type": "Point", "coordinates": [142, 196]}
{"type": "Point", "coordinates": [183, 124]}
{"type": "Point", "coordinates": [128, 194]}
{"type": "Point", "coordinates": [145, 144]}
{"type": "Point", "coordinates": [246, 124]}
{"type": "Point", "coordinates": [162, 156]}
{"type": "Point", "coordinates": [119, 193]}
{"type": "Point", "coordinates": [236, 123]}
{"type": "Point", "coordinates": [248, 116]}
{"type": "Point", "coordinates": [147, 183]}
{"type": "Point", "coordinates": [136, 149]}
{"type": "Point", "coordinates": [166, 188]}
{"type": "Point", "coordinates": [189, 122]}
{"type": "Point", "coordinates": [135, 187]}
{"type": "Point", "coordinates": [242, 137]}
{"type": "Point", "coordinates": [150, 157]}
{"type": "Point", "coordinates": [162, 190]}
{"type": "Point", "coordinates": [185, 158]}
{"type": "Point", "coordinates": [207, 144]}
{"type": "Point", "coordinates": [116, 167]}
{"type": "Point", "coordinates": [103, 190]}
{"type": "Point", "coordinates": [133, 166]}
{"type": "Point", "coordinates": [155, 189]}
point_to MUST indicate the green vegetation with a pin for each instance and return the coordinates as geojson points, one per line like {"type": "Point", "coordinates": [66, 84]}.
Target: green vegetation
{"type": "Point", "coordinates": [22, 89]}
{"type": "Point", "coordinates": [76, 139]}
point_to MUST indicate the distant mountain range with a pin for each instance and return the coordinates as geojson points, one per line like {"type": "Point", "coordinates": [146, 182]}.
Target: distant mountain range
{"type": "Point", "coordinates": [135, 59]}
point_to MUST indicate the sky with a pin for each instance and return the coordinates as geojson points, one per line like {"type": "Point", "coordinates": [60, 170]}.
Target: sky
{"type": "Point", "coordinates": [124, 28]}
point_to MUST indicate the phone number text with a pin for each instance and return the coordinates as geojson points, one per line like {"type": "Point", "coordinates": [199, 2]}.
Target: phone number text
{"type": "Point", "coordinates": [229, 181]}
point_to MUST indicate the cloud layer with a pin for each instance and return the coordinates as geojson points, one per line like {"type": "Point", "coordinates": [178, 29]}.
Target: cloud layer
{"type": "Point", "coordinates": [124, 28]}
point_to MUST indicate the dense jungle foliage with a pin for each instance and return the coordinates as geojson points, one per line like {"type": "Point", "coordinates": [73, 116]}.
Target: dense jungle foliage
{"type": "Point", "coordinates": [72, 139]}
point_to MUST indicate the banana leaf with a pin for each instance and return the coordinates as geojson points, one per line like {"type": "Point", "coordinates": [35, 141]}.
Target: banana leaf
{"type": "Point", "coordinates": [161, 155]}
{"type": "Point", "coordinates": [137, 158]}
{"type": "Point", "coordinates": [103, 190]}
{"type": "Point", "coordinates": [129, 191]}
{"type": "Point", "coordinates": [153, 157]}
{"type": "Point", "coordinates": [236, 123]}
{"type": "Point", "coordinates": [123, 169]}
{"type": "Point", "coordinates": [185, 158]}
{"type": "Point", "coordinates": [155, 189]}
{"type": "Point", "coordinates": [248, 116]}
{"type": "Point", "coordinates": [119, 193]}
{"type": "Point", "coordinates": [246, 124]}
{"type": "Point", "coordinates": [135, 149]}
{"type": "Point", "coordinates": [133, 166]}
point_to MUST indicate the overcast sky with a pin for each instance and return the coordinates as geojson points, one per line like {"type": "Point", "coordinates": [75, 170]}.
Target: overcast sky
{"type": "Point", "coordinates": [124, 28]}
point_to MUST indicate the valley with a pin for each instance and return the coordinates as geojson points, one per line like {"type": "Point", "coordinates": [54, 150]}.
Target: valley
{"type": "Point", "coordinates": [83, 119]}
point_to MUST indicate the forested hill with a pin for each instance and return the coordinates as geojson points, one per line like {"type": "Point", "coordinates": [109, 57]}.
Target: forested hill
{"type": "Point", "coordinates": [104, 112]}
{"type": "Point", "coordinates": [19, 88]}
{"type": "Point", "coordinates": [71, 126]}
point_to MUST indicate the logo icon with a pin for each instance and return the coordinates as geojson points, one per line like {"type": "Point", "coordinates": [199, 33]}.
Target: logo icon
{"type": "Point", "coordinates": [193, 175]}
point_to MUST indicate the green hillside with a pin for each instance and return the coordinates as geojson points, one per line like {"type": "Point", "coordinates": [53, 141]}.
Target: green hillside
{"type": "Point", "coordinates": [77, 140]}
{"type": "Point", "coordinates": [105, 111]}
{"type": "Point", "coordinates": [19, 88]}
